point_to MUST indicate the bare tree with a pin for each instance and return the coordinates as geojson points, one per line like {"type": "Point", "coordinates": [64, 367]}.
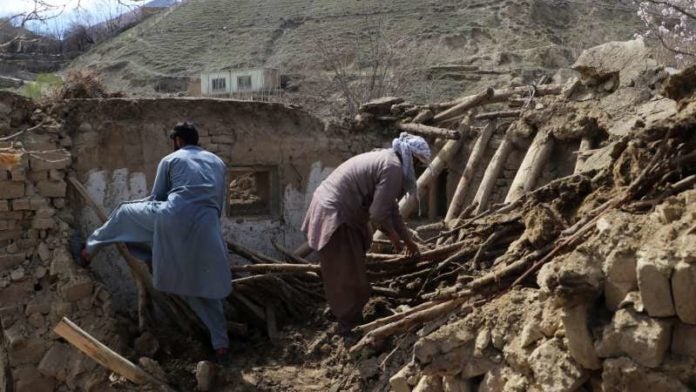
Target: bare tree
{"type": "Point", "coordinates": [371, 65]}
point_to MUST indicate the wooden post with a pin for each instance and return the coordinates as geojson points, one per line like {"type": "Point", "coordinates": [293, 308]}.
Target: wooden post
{"type": "Point", "coordinates": [493, 172]}
{"type": "Point", "coordinates": [425, 130]}
{"type": "Point", "coordinates": [468, 174]}
{"type": "Point", "coordinates": [103, 355]}
{"type": "Point", "coordinates": [432, 200]}
{"type": "Point", "coordinates": [408, 204]}
{"type": "Point", "coordinates": [534, 160]}
{"type": "Point", "coordinates": [585, 145]}
{"type": "Point", "coordinates": [503, 95]}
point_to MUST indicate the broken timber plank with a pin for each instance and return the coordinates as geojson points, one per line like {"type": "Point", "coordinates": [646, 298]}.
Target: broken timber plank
{"type": "Point", "coordinates": [425, 130]}
{"type": "Point", "coordinates": [493, 172]}
{"type": "Point", "coordinates": [533, 163]}
{"type": "Point", "coordinates": [468, 174]}
{"type": "Point", "coordinates": [105, 356]}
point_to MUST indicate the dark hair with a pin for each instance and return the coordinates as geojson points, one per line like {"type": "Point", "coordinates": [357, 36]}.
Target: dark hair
{"type": "Point", "coordinates": [186, 131]}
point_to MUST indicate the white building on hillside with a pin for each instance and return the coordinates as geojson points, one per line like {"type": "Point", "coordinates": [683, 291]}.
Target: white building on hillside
{"type": "Point", "coordinates": [235, 81]}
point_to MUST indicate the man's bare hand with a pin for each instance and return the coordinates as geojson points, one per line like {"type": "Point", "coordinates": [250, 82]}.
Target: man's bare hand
{"type": "Point", "coordinates": [396, 241]}
{"type": "Point", "coordinates": [412, 249]}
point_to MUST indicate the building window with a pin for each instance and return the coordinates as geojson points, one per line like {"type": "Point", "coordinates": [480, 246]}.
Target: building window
{"type": "Point", "coordinates": [244, 82]}
{"type": "Point", "coordinates": [219, 84]}
{"type": "Point", "coordinates": [253, 191]}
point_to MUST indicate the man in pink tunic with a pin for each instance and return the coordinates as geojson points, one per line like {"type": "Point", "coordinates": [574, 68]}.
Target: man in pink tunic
{"type": "Point", "coordinates": [364, 189]}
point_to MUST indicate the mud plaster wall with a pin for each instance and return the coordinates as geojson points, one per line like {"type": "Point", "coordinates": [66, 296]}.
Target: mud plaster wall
{"type": "Point", "coordinates": [119, 142]}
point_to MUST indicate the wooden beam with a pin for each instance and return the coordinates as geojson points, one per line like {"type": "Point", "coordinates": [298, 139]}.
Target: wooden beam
{"type": "Point", "coordinates": [468, 175]}
{"type": "Point", "coordinates": [493, 172]}
{"type": "Point", "coordinates": [408, 204]}
{"type": "Point", "coordinates": [585, 147]}
{"type": "Point", "coordinates": [425, 130]}
{"type": "Point", "coordinates": [105, 356]}
{"type": "Point", "coordinates": [285, 268]}
{"type": "Point", "coordinates": [498, 114]}
{"type": "Point", "coordinates": [465, 104]}
{"type": "Point", "coordinates": [505, 94]}
{"type": "Point", "coordinates": [532, 165]}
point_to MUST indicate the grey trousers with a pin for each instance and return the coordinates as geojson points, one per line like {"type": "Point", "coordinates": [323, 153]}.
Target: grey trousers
{"type": "Point", "coordinates": [211, 313]}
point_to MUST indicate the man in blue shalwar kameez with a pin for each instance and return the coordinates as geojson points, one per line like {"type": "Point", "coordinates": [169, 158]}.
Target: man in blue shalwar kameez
{"type": "Point", "coordinates": [180, 222]}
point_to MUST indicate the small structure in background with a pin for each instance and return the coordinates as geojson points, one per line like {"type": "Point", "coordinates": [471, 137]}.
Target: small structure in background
{"type": "Point", "coordinates": [255, 83]}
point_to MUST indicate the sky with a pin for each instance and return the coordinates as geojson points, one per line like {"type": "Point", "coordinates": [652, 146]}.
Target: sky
{"type": "Point", "coordinates": [66, 11]}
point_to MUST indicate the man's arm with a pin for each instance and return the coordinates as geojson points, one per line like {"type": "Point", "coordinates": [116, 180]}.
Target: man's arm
{"type": "Point", "coordinates": [160, 189]}
{"type": "Point", "coordinates": [384, 211]}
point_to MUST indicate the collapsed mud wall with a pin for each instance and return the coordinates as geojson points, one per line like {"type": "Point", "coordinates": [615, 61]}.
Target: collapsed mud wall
{"type": "Point", "coordinates": [119, 142]}
{"type": "Point", "coordinates": [39, 283]}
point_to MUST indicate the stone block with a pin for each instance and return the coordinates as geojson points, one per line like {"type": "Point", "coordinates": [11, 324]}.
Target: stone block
{"type": "Point", "coordinates": [47, 161]}
{"type": "Point", "coordinates": [45, 213]}
{"type": "Point", "coordinates": [655, 289]}
{"type": "Point", "coordinates": [59, 202]}
{"type": "Point", "coordinates": [38, 202]}
{"type": "Point", "coordinates": [29, 352]}
{"type": "Point", "coordinates": [455, 384]}
{"type": "Point", "coordinates": [620, 277]}
{"type": "Point", "coordinates": [43, 223]}
{"type": "Point", "coordinates": [12, 190]}
{"type": "Point", "coordinates": [51, 188]}
{"type": "Point", "coordinates": [7, 224]}
{"type": "Point", "coordinates": [622, 375]}
{"type": "Point", "coordinates": [429, 383]}
{"type": "Point", "coordinates": [18, 174]}
{"type": "Point", "coordinates": [15, 335]}
{"type": "Point", "coordinates": [8, 262]}
{"type": "Point", "coordinates": [10, 314]}
{"type": "Point", "coordinates": [16, 293]}
{"type": "Point", "coordinates": [28, 379]}
{"type": "Point", "coordinates": [54, 362]}
{"type": "Point", "coordinates": [76, 290]}
{"type": "Point", "coordinates": [580, 342]}
{"type": "Point", "coordinates": [38, 306]}
{"type": "Point", "coordinates": [22, 204]}
{"type": "Point", "coordinates": [205, 375]}
{"type": "Point", "coordinates": [404, 379]}
{"type": "Point", "coordinates": [4, 205]}
{"type": "Point", "coordinates": [684, 291]}
{"type": "Point", "coordinates": [554, 369]}
{"type": "Point", "coordinates": [61, 263]}
{"type": "Point", "coordinates": [38, 175]}
{"type": "Point", "coordinates": [644, 339]}
{"type": "Point", "coordinates": [684, 340]}
{"type": "Point", "coordinates": [10, 235]}
{"type": "Point", "coordinates": [56, 175]}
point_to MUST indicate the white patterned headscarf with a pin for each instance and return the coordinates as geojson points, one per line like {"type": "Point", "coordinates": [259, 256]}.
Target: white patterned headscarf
{"type": "Point", "coordinates": [409, 146]}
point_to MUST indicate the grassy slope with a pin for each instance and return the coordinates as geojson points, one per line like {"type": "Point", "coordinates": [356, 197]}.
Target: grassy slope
{"type": "Point", "coordinates": [215, 34]}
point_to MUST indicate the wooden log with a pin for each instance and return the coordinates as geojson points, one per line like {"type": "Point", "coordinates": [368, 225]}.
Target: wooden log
{"type": "Point", "coordinates": [498, 114]}
{"type": "Point", "coordinates": [532, 165]}
{"type": "Point", "coordinates": [505, 94]}
{"type": "Point", "coordinates": [423, 116]}
{"type": "Point", "coordinates": [377, 336]}
{"type": "Point", "coordinates": [142, 276]}
{"type": "Point", "coordinates": [105, 356]}
{"type": "Point", "coordinates": [394, 317]}
{"type": "Point", "coordinates": [251, 255]}
{"type": "Point", "coordinates": [468, 174]}
{"type": "Point", "coordinates": [289, 255]}
{"type": "Point", "coordinates": [493, 172]}
{"type": "Point", "coordinates": [284, 268]}
{"type": "Point", "coordinates": [271, 322]}
{"type": "Point", "coordinates": [425, 130]}
{"type": "Point", "coordinates": [465, 105]}
{"type": "Point", "coordinates": [303, 250]}
{"type": "Point", "coordinates": [408, 204]}
{"type": "Point", "coordinates": [585, 146]}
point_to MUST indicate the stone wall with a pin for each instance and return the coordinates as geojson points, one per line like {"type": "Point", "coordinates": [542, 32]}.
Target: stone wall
{"type": "Point", "coordinates": [39, 283]}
